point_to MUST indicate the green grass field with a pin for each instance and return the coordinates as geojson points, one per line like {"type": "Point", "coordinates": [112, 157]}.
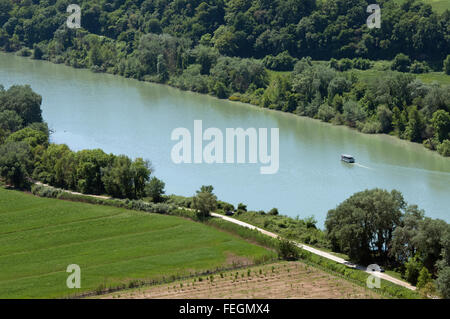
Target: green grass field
{"type": "Point", "coordinates": [379, 70]}
{"type": "Point", "coordinates": [40, 237]}
{"type": "Point", "coordinates": [437, 5]}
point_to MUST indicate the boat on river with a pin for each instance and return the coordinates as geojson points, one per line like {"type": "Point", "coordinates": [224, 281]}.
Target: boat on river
{"type": "Point", "coordinates": [347, 158]}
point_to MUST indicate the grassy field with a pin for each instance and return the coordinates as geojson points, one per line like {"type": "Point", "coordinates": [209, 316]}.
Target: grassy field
{"type": "Point", "coordinates": [40, 237]}
{"type": "Point", "coordinates": [278, 280]}
{"type": "Point", "coordinates": [379, 70]}
{"type": "Point", "coordinates": [437, 5]}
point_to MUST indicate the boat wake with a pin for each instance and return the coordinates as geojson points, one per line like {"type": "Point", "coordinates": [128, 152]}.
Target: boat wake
{"type": "Point", "coordinates": [362, 166]}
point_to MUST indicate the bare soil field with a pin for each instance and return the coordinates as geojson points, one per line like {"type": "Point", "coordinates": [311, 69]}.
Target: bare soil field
{"type": "Point", "coordinates": [276, 281]}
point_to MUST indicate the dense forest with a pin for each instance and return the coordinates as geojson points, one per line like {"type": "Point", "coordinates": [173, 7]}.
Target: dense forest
{"type": "Point", "coordinates": [234, 49]}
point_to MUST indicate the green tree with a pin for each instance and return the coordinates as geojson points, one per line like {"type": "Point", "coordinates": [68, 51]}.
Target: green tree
{"type": "Point", "coordinates": [401, 63]}
{"type": "Point", "coordinates": [424, 278]}
{"type": "Point", "coordinates": [444, 148]}
{"type": "Point", "coordinates": [15, 164]}
{"type": "Point", "coordinates": [447, 65]}
{"type": "Point", "coordinates": [155, 189]}
{"type": "Point", "coordinates": [441, 124]}
{"type": "Point", "coordinates": [384, 115]}
{"type": "Point", "coordinates": [415, 127]}
{"type": "Point", "coordinates": [362, 226]}
{"type": "Point", "coordinates": [161, 69]}
{"type": "Point", "coordinates": [141, 174]}
{"type": "Point", "coordinates": [353, 113]}
{"type": "Point", "coordinates": [89, 170]}
{"type": "Point", "coordinates": [287, 250]}
{"type": "Point", "coordinates": [403, 247]}
{"type": "Point", "coordinates": [428, 241]}
{"type": "Point", "coordinates": [10, 121]}
{"type": "Point", "coordinates": [31, 136]}
{"type": "Point", "coordinates": [118, 178]}
{"type": "Point", "coordinates": [413, 267]}
{"type": "Point", "coordinates": [23, 101]}
{"type": "Point", "coordinates": [204, 201]}
{"type": "Point", "coordinates": [37, 52]}
{"type": "Point", "coordinates": [443, 282]}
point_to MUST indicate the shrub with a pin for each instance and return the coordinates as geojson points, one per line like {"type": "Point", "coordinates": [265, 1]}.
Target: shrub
{"type": "Point", "coordinates": [371, 127]}
{"type": "Point", "coordinates": [362, 64]}
{"type": "Point", "coordinates": [447, 65]}
{"type": "Point", "coordinates": [401, 63]}
{"type": "Point", "coordinates": [326, 112]}
{"type": "Point", "coordinates": [444, 148]}
{"type": "Point", "coordinates": [424, 278]}
{"type": "Point", "coordinates": [443, 282]}
{"type": "Point", "coordinates": [287, 250]}
{"type": "Point", "coordinates": [419, 67]}
{"type": "Point", "coordinates": [242, 207]}
{"type": "Point", "coordinates": [24, 52]}
{"type": "Point", "coordinates": [282, 62]}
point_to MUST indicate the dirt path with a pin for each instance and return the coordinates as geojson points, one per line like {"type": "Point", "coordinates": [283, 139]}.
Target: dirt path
{"type": "Point", "coordinates": [320, 253]}
{"type": "Point", "coordinates": [74, 193]}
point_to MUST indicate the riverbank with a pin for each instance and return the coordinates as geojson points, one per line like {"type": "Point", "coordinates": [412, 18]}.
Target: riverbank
{"type": "Point", "coordinates": [336, 266]}
{"type": "Point", "coordinates": [243, 98]}
{"type": "Point", "coordinates": [102, 107]}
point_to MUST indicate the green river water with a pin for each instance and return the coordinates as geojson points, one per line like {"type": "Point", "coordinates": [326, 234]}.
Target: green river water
{"type": "Point", "coordinates": [124, 116]}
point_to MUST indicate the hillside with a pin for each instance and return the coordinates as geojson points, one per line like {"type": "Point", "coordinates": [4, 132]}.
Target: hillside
{"type": "Point", "coordinates": [41, 237]}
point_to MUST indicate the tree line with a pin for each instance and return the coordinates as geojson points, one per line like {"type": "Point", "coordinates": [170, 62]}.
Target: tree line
{"type": "Point", "coordinates": [377, 226]}
{"type": "Point", "coordinates": [243, 28]}
{"type": "Point", "coordinates": [26, 153]}
{"type": "Point", "coordinates": [155, 41]}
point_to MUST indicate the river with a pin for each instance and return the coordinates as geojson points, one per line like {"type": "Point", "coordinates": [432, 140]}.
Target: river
{"type": "Point", "coordinates": [125, 116]}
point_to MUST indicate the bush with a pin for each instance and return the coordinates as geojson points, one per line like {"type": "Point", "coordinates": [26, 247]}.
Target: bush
{"type": "Point", "coordinates": [362, 64]}
{"type": "Point", "coordinates": [326, 113]}
{"type": "Point", "coordinates": [401, 63]}
{"type": "Point", "coordinates": [341, 65]}
{"type": "Point", "coordinates": [443, 282]}
{"type": "Point", "coordinates": [371, 127]}
{"type": "Point", "coordinates": [444, 148]}
{"type": "Point", "coordinates": [282, 62]}
{"type": "Point", "coordinates": [287, 250]}
{"type": "Point", "coordinates": [24, 52]}
{"type": "Point", "coordinates": [45, 191]}
{"type": "Point", "coordinates": [424, 278]}
{"type": "Point", "coordinates": [242, 207]}
{"type": "Point", "coordinates": [447, 65]}
{"type": "Point", "coordinates": [419, 67]}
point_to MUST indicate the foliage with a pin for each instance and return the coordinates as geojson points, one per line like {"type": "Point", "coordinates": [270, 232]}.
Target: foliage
{"type": "Point", "coordinates": [15, 163]}
{"type": "Point", "coordinates": [224, 47]}
{"type": "Point", "coordinates": [362, 225]}
{"type": "Point", "coordinates": [287, 250]}
{"type": "Point", "coordinates": [155, 189]}
{"type": "Point", "coordinates": [447, 65]}
{"type": "Point", "coordinates": [401, 63]}
{"type": "Point", "coordinates": [204, 201]}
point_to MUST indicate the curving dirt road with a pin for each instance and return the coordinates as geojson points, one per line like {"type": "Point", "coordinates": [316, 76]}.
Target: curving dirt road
{"type": "Point", "coordinates": [321, 253]}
